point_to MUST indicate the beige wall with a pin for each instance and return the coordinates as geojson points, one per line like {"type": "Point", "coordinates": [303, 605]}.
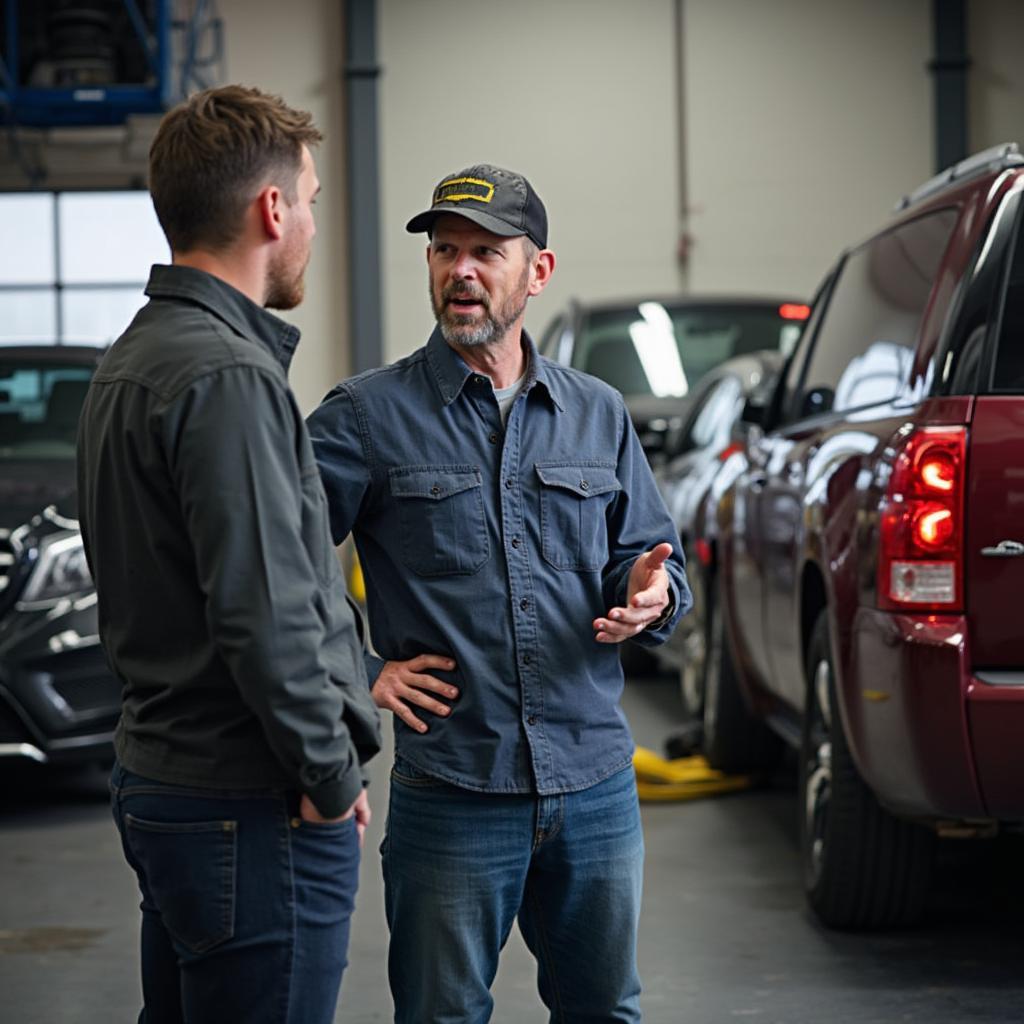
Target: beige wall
{"type": "Point", "coordinates": [297, 50]}
{"type": "Point", "coordinates": [996, 82]}
{"type": "Point", "coordinates": [806, 122]}
{"type": "Point", "coordinates": [577, 94]}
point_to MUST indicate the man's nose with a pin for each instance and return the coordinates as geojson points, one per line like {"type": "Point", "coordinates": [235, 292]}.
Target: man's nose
{"type": "Point", "coordinates": [464, 266]}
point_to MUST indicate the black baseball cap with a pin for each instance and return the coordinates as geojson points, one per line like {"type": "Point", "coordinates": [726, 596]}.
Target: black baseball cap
{"type": "Point", "coordinates": [501, 201]}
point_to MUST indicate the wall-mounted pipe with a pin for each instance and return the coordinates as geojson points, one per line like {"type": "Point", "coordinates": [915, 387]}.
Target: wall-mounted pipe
{"type": "Point", "coordinates": [949, 68]}
{"type": "Point", "coordinates": [362, 174]}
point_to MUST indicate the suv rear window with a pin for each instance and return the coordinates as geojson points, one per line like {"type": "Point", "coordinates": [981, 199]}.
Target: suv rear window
{"type": "Point", "coordinates": [1009, 368]}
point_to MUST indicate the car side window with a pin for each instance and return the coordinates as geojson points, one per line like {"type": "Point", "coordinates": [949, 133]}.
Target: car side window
{"type": "Point", "coordinates": [1008, 374]}
{"type": "Point", "coordinates": [865, 346]}
{"type": "Point", "coordinates": [785, 404]}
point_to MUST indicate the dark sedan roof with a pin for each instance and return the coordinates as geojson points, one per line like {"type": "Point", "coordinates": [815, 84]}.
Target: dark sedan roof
{"type": "Point", "coordinates": [85, 355]}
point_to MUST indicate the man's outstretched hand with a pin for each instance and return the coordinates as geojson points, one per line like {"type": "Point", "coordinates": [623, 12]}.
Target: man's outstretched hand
{"type": "Point", "coordinates": [647, 598]}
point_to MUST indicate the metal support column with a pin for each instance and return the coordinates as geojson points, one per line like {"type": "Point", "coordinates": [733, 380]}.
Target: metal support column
{"type": "Point", "coordinates": [361, 157]}
{"type": "Point", "coordinates": [949, 66]}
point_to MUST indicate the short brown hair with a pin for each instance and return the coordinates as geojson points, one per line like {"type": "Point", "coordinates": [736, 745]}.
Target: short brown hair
{"type": "Point", "coordinates": [213, 153]}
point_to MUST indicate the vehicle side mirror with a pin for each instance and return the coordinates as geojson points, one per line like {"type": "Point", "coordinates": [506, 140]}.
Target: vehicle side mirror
{"type": "Point", "coordinates": [816, 401]}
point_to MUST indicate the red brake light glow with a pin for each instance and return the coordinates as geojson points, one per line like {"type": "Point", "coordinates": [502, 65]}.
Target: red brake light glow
{"type": "Point", "coordinates": [933, 527]}
{"type": "Point", "coordinates": [920, 562]}
{"type": "Point", "coordinates": [794, 311]}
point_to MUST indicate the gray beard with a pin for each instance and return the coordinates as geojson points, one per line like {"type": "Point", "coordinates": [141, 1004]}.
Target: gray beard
{"type": "Point", "coordinates": [492, 330]}
{"type": "Point", "coordinates": [453, 330]}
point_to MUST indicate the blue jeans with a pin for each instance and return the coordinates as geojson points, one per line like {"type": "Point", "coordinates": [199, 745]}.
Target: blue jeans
{"type": "Point", "coordinates": [245, 908]}
{"type": "Point", "coordinates": [460, 867]}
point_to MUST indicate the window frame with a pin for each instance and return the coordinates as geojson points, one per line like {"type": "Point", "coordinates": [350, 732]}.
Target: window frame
{"type": "Point", "coordinates": [58, 287]}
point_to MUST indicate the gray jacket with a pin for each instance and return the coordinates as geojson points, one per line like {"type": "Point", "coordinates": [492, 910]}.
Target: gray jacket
{"type": "Point", "coordinates": [221, 605]}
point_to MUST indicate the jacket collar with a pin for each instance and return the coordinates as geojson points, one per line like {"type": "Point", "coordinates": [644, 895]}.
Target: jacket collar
{"type": "Point", "coordinates": [451, 372]}
{"type": "Point", "coordinates": [226, 303]}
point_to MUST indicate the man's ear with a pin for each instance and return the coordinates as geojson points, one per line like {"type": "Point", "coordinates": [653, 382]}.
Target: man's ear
{"type": "Point", "coordinates": [541, 271]}
{"type": "Point", "coordinates": [269, 203]}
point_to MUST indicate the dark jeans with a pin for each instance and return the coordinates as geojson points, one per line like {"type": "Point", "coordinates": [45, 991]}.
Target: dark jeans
{"type": "Point", "coordinates": [461, 867]}
{"type": "Point", "coordinates": [245, 908]}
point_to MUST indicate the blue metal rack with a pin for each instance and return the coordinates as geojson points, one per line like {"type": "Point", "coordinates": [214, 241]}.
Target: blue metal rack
{"type": "Point", "coordinates": [105, 104]}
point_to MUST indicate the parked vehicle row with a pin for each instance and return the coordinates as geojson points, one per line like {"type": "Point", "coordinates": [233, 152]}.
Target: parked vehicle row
{"type": "Point", "coordinates": [868, 552]}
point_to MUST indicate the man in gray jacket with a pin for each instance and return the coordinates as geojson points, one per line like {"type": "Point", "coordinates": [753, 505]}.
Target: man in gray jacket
{"type": "Point", "coordinates": [246, 716]}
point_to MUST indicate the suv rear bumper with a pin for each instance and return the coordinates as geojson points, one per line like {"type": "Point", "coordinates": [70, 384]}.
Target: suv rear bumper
{"type": "Point", "coordinates": [932, 738]}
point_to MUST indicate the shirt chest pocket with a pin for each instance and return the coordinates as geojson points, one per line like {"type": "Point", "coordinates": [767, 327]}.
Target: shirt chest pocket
{"type": "Point", "coordinates": [573, 500]}
{"type": "Point", "coordinates": [441, 516]}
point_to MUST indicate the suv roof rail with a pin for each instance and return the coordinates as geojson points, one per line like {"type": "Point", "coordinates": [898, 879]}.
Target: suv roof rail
{"type": "Point", "coordinates": [995, 159]}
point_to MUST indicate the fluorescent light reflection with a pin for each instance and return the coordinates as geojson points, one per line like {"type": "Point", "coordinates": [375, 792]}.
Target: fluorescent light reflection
{"type": "Point", "coordinates": [655, 342]}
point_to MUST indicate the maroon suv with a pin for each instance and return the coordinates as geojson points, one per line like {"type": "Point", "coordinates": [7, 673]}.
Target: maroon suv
{"type": "Point", "coordinates": [871, 552]}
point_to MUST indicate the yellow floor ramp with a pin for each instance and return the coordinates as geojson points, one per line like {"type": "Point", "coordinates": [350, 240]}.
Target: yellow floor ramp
{"type": "Point", "coordinates": [683, 778]}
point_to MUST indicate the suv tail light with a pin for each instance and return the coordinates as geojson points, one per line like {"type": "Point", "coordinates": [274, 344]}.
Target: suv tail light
{"type": "Point", "coordinates": [921, 531]}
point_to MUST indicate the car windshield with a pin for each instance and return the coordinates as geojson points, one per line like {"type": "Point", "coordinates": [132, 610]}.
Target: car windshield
{"type": "Point", "coordinates": [656, 348]}
{"type": "Point", "coordinates": [39, 408]}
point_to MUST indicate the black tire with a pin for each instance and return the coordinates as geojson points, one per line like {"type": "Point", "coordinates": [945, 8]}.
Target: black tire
{"type": "Point", "coordinates": [734, 740]}
{"type": "Point", "coordinates": [863, 868]}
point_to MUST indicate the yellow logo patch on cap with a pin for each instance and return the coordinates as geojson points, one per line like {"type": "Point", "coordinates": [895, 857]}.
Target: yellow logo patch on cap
{"type": "Point", "coordinates": [457, 190]}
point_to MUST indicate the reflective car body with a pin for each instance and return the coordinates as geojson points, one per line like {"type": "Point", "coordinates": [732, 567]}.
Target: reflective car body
{"type": "Point", "coordinates": [58, 699]}
{"type": "Point", "coordinates": [696, 455]}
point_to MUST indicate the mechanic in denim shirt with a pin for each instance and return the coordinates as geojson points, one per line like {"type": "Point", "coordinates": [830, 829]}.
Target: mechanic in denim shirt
{"type": "Point", "coordinates": [511, 536]}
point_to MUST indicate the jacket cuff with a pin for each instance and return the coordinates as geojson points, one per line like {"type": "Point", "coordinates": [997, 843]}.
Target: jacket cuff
{"type": "Point", "coordinates": [670, 609]}
{"type": "Point", "coordinates": [332, 799]}
{"type": "Point", "coordinates": [374, 665]}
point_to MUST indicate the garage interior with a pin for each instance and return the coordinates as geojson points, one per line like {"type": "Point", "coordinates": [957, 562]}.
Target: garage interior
{"type": "Point", "coordinates": [711, 147]}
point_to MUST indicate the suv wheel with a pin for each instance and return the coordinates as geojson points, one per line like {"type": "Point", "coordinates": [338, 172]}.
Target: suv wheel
{"type": "Point", "coordinates": [863, 867]}
{"type": "Point", "coordinates": [734, 740]}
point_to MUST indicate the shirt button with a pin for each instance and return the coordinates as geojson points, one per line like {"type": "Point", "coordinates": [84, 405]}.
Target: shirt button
{"type": "Point", "coordinates": [527, 660]}
{"type": "Point", "coordinates": [479, 380]}
{"type": "Point", "coordinates": [524, 604]}
{"type": "Point", "coordinates": [584, 485]}
{"type": "Point", "coordinates": [532, 720]}
{"type": "Point", "coordinates": [435, 489]}
{"type": "Point", "coordinates": [515, 542]}
{"type": "Point", "coordinates": [508, 485]}
{"type": "Point", "coordinates": [493, 438]}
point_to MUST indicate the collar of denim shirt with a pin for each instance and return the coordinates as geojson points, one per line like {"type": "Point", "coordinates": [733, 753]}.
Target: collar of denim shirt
{"type": "Point", "coordinates": [451, 371]}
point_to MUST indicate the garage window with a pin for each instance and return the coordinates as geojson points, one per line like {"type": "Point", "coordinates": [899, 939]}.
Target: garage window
{"type": "Point", "coordinates": [78, 265]}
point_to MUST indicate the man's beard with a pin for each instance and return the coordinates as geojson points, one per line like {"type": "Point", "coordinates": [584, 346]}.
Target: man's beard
{"type": "Point", "coordinates": [285, 288]}
{"type": "Point", "coordinates": [464, 329]}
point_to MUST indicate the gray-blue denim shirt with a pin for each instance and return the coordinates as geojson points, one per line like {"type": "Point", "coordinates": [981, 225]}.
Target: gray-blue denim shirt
{"type": "Point", "coordinates": [498, 547]}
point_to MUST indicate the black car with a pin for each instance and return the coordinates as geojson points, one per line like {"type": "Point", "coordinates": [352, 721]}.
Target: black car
{"type": "Point", "coordinates": [693, 471]}
{"type": "Point", "coordinates": [59, 701]}
{"type": "Point", "coordinates": [656, 350]}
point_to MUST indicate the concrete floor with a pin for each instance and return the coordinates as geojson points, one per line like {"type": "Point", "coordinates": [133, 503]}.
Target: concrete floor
{"type": "Point", "coordinates": [725, 935]}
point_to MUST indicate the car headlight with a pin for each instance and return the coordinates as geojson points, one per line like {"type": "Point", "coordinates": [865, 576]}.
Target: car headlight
{"type": "Point", "coordinates": [60, 570]}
